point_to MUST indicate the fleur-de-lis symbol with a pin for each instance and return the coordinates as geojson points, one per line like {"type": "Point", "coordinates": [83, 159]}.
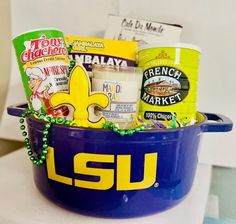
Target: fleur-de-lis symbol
{"type": "Point", "coordinates": [81, 97]}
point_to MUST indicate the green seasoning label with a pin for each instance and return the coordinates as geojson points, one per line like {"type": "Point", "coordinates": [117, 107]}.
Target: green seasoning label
{"type": "Point", "coordinates": [164, 86]}
{"type": "Point", "coordinates": [42, 47]}
{"type": "Point", "coordinates": [43, 63]}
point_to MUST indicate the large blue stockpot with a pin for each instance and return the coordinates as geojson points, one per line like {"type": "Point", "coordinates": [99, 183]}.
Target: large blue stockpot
{"type": "Point", "coordinates": [177, 153]}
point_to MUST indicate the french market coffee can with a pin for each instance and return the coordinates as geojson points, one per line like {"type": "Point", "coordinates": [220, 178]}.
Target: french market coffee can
{"type": "Point", "coordinates": [43, 62]}
{"type": "Point", "coordinates": [169, 85]}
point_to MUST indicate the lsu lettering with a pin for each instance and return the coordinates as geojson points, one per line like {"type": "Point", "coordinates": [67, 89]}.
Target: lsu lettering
{"type": "Point", "coordinates": [106, 175]}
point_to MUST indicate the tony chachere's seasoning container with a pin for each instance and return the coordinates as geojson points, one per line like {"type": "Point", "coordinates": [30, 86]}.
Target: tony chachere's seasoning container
{"type": "Point", "coordinates": [43, 62]}
{"type": "Point", "coordinates": [169, 85]}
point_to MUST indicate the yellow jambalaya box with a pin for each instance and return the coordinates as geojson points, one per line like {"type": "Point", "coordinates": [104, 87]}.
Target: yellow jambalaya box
{"type": "Point", "coordinates": [101, 51]}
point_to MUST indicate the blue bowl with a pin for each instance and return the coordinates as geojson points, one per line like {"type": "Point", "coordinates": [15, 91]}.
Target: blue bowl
{"type": "Point", "coordinates": [97, 172]}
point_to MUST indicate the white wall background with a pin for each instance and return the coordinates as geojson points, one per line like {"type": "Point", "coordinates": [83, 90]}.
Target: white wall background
{"type": "Point", "coordinates": [5, 45]}
{"type": "Point", "coordinates": [211, 24]}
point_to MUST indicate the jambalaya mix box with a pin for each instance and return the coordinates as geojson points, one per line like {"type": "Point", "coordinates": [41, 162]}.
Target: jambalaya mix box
{"type": "Point", "coordinates": [89, 51]}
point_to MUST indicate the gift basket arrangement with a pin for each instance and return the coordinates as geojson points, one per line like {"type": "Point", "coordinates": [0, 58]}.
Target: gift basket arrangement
{"type": "Point", "coordinates": [110, 134]}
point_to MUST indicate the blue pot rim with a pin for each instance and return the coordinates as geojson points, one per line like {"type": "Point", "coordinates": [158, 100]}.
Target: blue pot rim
{"type": "Point", "coordinates": [74, 128]}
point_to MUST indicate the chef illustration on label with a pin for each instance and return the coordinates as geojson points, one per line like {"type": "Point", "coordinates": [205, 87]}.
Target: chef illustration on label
{"type": "Point", "coordinates": [40, 87]}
